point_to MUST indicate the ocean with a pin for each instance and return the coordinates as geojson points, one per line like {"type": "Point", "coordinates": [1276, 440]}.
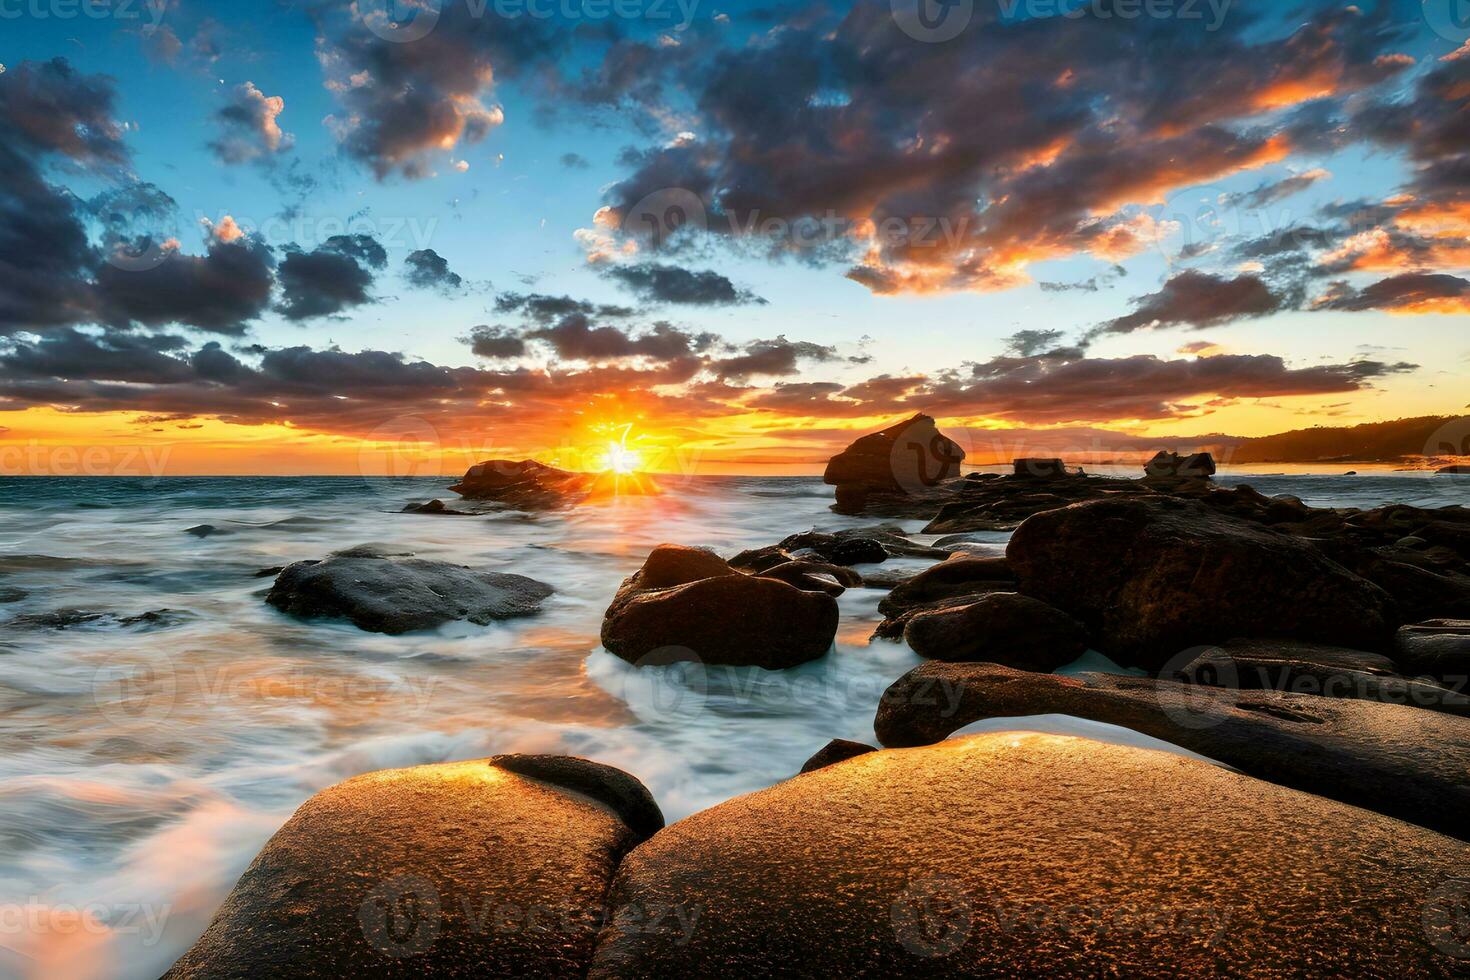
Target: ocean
{"type": "Point", "coordinates": [158, 722]}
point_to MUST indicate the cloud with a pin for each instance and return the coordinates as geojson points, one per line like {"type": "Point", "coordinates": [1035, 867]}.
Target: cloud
{"type": "Point", "coordinates": [220, 291]}
{"type": "Point", "coordinates": [545, 308]}
{"type": "Point", "coordinates": [1414, 292]}
{"type": "Point", "coordinates": [1268, 194]}
{"type": "Point", "coordinates": [658, 283]}
{"type": "Point", "coordinates": [248, 126]}
{"type": "Point", "coordinates": [574, 161]}
{"type": "Point", "coordinates": [1198, 300]}
{"type": "Point", "coordinates": [576, 338]}
{"type": "Point", "coordinates": [496, 343]}
{"type": "Point", "coordinates": [427, 269]}
{"type": "Point", "coordinates": [335, 277]}
{"type": "Point", "coordinates": [770, 358]}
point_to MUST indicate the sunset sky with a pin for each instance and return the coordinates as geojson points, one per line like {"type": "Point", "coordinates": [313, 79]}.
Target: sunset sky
{"type": "Point", "coordinates": [312, 237]}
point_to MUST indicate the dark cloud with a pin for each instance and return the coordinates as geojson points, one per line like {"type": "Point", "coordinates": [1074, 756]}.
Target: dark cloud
{"type": "Point", "coordinates": [544, 308]}
{"type": "Point", "coordinates": [1268, 194]}
{"type": "Point", "coordinates": [248, 126]}
{"type": "Point", "coordinates": [47, 107]}
{"type": "Point", "coordinates": [427, 269]}
{"type": "Point", "coordinates": [574, 161]}
{"type": "Point", "coordinates": [658, 283]}
{"type": "Point", "coordinates": [1409, 292]}
{"type": "Point", "coordinates": [110, 356]}
{"type": "Point", "coordinates": [335, 277]}
{"type": "Point", "coordinates": [576, 338]}
{"type": "Point", "coordinates": [220, 291]}
{"type": "Point", "coordinates": [497, 342]}
{"type": "Point", "coordinates": [1198, 300]}
{"type": "Point", "coordinates": [770, 358]}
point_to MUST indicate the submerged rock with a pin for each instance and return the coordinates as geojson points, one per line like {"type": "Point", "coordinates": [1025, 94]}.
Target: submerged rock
{"type": "Point", "coordinates": [1389, 758]}
{"type": "Point", "coordinates": [383, 594]}
{"type": "Point", "coordinates": [893, 471]}
{"type": "Point", "coordinates": [463, 869]}
{"type": "Point", "coordinates": [1026, 855]}
{"type": "Point", "coordinates": [436, 508]}
{"type": "Point", "coordinates": [1152, 576]}
{"type": "Point", "coordinates": [1000, 628]}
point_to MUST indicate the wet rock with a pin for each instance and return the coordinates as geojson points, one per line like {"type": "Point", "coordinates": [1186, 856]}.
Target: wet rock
{"type": "Point", "coordinates": [1389, 758]}
{"type": "Point", "coordinates": [948, 583]}
{"type": "Point", "coordinates": [669, 565]}
{"type": "Point", "coordinates": [835, 751]}
{"type": "Point", "coordinates": [723, 619]}
{"type": "Point", "coordinates": [1026, 855]}
{"type": "Point", "coordinates": [9, 595]}
{"type": "Point", "coordinates": [842, 548]}
{"type": "Point", "coordinates": [524, 485]}
{"type": "Point", "coordinates": [1307, 668]}
{"type": "Point", "coordinates": [760, 559]}
{"type": "Point", "coordinates": [398, 595]}
{"type": "Point", "coordinates": [205, 531]}
{"type": "Point", "coordinates": [271, 572]}
{"type": "Point", "coordinates": [1197, 466]}
{"type": "Point", "coordinates": [67, 619]}
{"type": "Point", "coordinates": [460, 869]}
{"type": "Point", "coordinates": [1439, 648]}
{"type": "Point", "coordinates": [815, 576]}
{"type": "Point", "coordinates": [1001, 628]}
{"type": "Point", "coordinates": [1152, 576]}
{"type": "Point", "coordinates": [895, 471]}
{"type": "Point", "coordinates": [436, 508]}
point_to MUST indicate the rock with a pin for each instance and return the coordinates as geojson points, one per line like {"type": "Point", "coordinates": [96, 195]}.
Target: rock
{"type": "Point", "coordinates": [760, 559]}
{"type": "Point", "coordinates": [1001, 628]}
{"type": "Point", "coordinates": [1439, 648]}
{"type": "Point", "coordinates": [398, 595]}
{"type": "Point", "coordinates": [1152, 576]}
{"type": "Point", "coordinates": [815, 576]}
{"type": "Point", "coordinates": [1293, 667]}
{"type": "Point", "coordinates": [835, 751]}
{"type": "Point", "coordinates": [888, 580]}
{"type": "Point", "coordinates": [271, 572]}
{"type": "Point", "coordinates": [1028, 855]}
{"type": "Point", "coordinates": [889, 472]}
{"type": "Point", "coordinates": [687, 604]}
{"type": "Point", "coordinates": [9, 595]}
{"type": "Point", "coordinates": [525, 485]}
{"type": "Point", "coordinates": [434, 507]}
{"type": "Point", "coordinates": [1389, 758]}
{"type": "Point", "coordinates": [461, 869]}
{"type": "Point", "coordinates": [1197, 466]}
{"type": "Point", "coordinates": [1458, 469]}
{"type": "Point", "coordinates": [1040, 469]}
{"type": "Point", "coordinates": [204, 531]}
{"type": "Point", "coordinates": [66, 619]}
{"type": "Point", "coordinates": [948, 583]}
{"type": "Point", "coordinates": [839, 549]}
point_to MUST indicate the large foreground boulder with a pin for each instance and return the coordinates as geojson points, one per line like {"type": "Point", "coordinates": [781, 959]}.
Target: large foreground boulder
{"type": "Point", "coordinates": [464, 869]}
{"type": "Point", "coordinates": [1000, 628]}
{"type": "Point", "coordinates": [1025, 855]}
{"type": "Point", "coordinates": [1393, 759]}
{"type": "Point", "coordinates": [1439, 648]}
{"type": "Point", "coordinates": [877, 472]}
{"type": "Point", "coordinates": [395, 594]}
{"type": "Point", "coordinates": [689, 604]}
{"type": "Point", "coordinates": [1152, 576]}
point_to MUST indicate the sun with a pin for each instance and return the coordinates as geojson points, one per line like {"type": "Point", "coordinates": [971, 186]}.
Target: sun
{"type": "Point", "coordinates": [622, 460]}
{"type": "Point", "coordinates": [619, 470]}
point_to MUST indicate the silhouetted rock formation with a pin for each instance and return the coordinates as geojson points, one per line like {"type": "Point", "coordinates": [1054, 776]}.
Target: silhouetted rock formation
{"type": "Point", "coordinates": [1026, 855]}
{"type": "Point", "coordinates": [999, 628]}
{"type": "Point", "coordinates": [524, 485]}
{"type": "Point", "coordinates": [689, 604]}
{"type": "Point", "coordinates": [1041, 469]}
{"type": "Point", "coordinates": [383, 594]}
{"type": "Point", "coordinates": [1199, 466]}
{"type": "Point", "coordinates": [1389, 758]}
{"type": "Point", "coordinates": [460, 869]}
{"type": "Point", "coordinates": [1153, 576]}
{"type": "Point", "coordinates": [892, 471]}
{"type": "Point", "coordinates": [434, 508]}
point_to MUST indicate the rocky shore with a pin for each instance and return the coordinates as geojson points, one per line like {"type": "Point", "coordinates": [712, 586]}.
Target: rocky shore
{"type": "Point", "coordinates": [1319, 656]}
